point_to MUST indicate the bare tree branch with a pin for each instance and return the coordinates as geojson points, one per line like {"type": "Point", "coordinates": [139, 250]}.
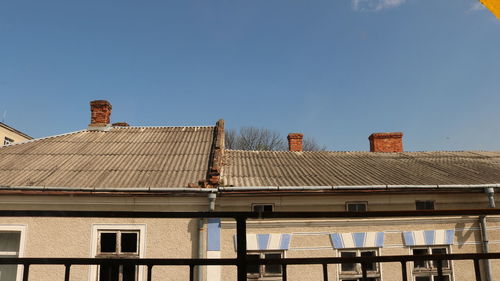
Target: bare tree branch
{"type": "Point", "coordinates": [251, 138]}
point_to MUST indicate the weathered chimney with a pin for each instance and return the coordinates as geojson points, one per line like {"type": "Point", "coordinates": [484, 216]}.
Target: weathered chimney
{"type": "Point", "coordinates": [100, 113]}
{"type": "Point", "coordinates": [295, 141]}
{"type": "Point", "coordinates": [386, 142]}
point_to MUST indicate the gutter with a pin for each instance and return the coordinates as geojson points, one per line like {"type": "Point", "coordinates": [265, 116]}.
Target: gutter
{"type": "Point", "coordinates": [484, 234]}
{"type": "Point", "coordinates": [112, 189]}
{"type": "Point", "coordinates": [356, 187]}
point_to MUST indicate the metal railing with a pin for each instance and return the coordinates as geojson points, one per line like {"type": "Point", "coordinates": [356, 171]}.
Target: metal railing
{"type": "Point", "coordinates": [241, 261]}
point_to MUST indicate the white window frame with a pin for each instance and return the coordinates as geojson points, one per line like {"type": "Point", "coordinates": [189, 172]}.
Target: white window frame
{"type": "Point", "coordinates": [7, 141]}
{"type": "Point", "coordinates": [358, 273]}
{"type": "Point", "coordinates": [273, 207]}
{"type": "Point", "coordinates": [98, 228]}
{"type": "Point", "coordinates": [365, 203]}
{"type": "Point", "coordinates": [23, 230]}
{"type": "Point", "coordinates": [430, 270]}
{"type": "Point", "coordinates": [262, 273]}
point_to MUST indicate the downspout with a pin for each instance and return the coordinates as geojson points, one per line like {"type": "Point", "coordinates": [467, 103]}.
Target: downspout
{"type": "Point", "coordinates": [484, 233]}
{"type": "Point", "coordinates": [201, 234]}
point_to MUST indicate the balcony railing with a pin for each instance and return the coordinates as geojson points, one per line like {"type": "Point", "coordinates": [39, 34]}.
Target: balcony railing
{"type": "Point", "coordinates": [241, 261]}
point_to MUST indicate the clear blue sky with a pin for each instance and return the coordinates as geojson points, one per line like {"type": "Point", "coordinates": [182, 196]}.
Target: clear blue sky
{"type": "Point", "coordinates": [336, 70]}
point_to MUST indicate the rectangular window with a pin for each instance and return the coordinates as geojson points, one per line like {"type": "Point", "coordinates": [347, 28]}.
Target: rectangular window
{"type": "Point", "coordinates": [9, 248]}
{"type": "Point", "coordinates": [261, 208]}
{"type": "Point", "coordinates": [424, 205]}
{"type": "Point", "coordinates": [261, 272]}
{"type": "Point", "coordinates": [352, 271]}
{"type": "Point", "coordinates": [356, 206]}
{"type": "Point", "coordinates": [427, 270]}
{"type": "Point", "coordinates": [7, 141]}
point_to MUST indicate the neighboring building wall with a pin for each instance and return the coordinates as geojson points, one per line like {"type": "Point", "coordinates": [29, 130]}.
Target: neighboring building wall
{"type": "Point", "coordinates": [8, 135]}
{"type": "Point", "coordinates": [76, 237]}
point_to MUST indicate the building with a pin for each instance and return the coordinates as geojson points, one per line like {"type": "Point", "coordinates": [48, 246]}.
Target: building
{"type": "Point", "coordinates": [9, 135]}
{"type": "Point", "coordinates": [116, 167]}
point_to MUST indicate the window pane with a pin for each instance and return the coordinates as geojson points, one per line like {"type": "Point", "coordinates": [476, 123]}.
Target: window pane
{"type": "Point", "coordinates": [9, 241]}
{"type": "Point", "coordinates": [424, 205]}
{"type": "Point", "coordinates": [272, 268]}
{"type": "Point", "coordinates": [348, 266]}
{"type": "Point", "coordinates": [253, 268]}
{"type": "Point", "coordinates": [108, 273]}
{"type": "Point", "coordinates": [420, 264]}
{"type": "Point", "coordinates": [8, 272]}
{"type": "Point", "coordinates": [129, 243]}
{"type": "Point", "coordinates": [356, 207]}
{"type": "Point", "coordinates": [445, 278]}
{"type": "Point", "coordinates": [439, 251]}
{"type": "Point", "coordinates": [108, 242]}
{"type": "Point", "coordinates": [370, 266]}
{"type": "Point", "coordinates": [423, 278]}
{"type": "Point", "coordinates": [263, 208]}
{"type": "Point", "coordinates": [129, 273]}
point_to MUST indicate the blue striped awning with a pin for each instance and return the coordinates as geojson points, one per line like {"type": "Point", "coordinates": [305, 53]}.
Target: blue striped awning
{"type": "Point", "coordinates": [429, 237]}
{"type": "Point", "coordinates": [269, 241]}
{"type": "Point", "coordinates": [357, 240]}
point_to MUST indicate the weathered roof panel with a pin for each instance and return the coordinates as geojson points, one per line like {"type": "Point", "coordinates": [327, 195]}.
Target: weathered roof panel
{"type": "Point", "coordinates": [324, 168]}
{"type": "Point", "coordinates": [121, 157]}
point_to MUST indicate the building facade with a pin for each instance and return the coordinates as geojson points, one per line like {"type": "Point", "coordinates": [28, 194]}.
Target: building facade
{"type": "Point", "coordinates": [173, 169]}
{"type": "Point", "coordinates": [9, 135]}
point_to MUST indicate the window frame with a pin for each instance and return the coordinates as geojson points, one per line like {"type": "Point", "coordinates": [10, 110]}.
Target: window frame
{"type": "Point", "coordinates": [347, 203]}
{"type": "Point", "coordinates": [124, 228]}
{"type": "Point", "coordinates": [263, 204]}
{"type": "Point", "coordinates": [262, 275]}
{"type": "Point", "coordinates": [22, 242]}
{"type": "Point", "coordinates": [425, 202]}
{"type": "Point", "coordinates": [430, 270]}
{"type": "Point", "coordinates": [357, 272]}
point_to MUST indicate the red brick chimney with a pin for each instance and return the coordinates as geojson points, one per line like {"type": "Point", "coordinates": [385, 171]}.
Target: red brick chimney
{"type": "Point", "coordinates": [295, 141]}
{"type": "Point", "coordinates": [386, 142]}
{"type": "Point", "coordinates": [100, 113]}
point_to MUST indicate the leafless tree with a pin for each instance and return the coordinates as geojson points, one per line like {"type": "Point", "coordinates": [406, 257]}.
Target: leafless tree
{"type": "Point", "coordinates": [251, 138]}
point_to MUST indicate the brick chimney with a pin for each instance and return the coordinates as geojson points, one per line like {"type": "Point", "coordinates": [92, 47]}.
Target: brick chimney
{"type": "Point", "coordinates": [386, 142]}
{"type": "Point", "coordinates": [100, 113]}
{"type": "Point", "coordinates": [295, 141]}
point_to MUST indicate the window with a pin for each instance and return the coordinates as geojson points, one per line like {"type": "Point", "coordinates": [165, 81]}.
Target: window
{"type": "Point", "coordinates": [427, 270]}
{"type": "Point", "coordinates": [352, 271]}
{"type": "Point", "coordinates": [261, 272]}
{"type": "Point", "coordinates": [7, 141]}
{"type": "Point", "coordinates": [424, 205]}
{"type": "Point", "coordinates": [118, 241]}
{"type": "Point", "coordinates": [118, 244]}
{"type": "Point", "coordinates": [262, 208]}
{"type": "Point", "coordinates": [10, 245]}
{"type": "Point", "coordinates": [356, 206]}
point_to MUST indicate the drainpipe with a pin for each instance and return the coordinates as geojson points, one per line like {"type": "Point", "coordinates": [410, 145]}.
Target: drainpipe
{"type": "Point", "coordinates": [201, 233]}
{"type": "Point", "coordinates": [484, 234]}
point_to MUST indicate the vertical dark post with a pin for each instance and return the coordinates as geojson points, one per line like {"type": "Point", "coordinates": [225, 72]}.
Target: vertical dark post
{"type": "Point", "coordinates": [325, 272]}
{"type": "Point", "coordinates": [67, 268]}
{"type": "Point", "coordinates": [363, 270]}
{"type": "Point", "coordinates": [403, 271]}
{"type": "Point", "coordinates": [241, 238]}
{"type": "Point", "coordinates": [477, 270]}
{"type": "Point", "coordinates": [26, 271]}
{"type": "Point", "coordinates": [191, 272]}
{"type": "Point", "coordinates": [283, 267]}
{"type": "Point", "coordinates": [150, 272]}
{"type": "Point", "coordinates": [440, 270]}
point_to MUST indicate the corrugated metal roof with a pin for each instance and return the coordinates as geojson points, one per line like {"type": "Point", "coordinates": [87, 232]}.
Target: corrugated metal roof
{"type": "Point", "coordinates": [322, 168]}
{"type": "Point", "coordinates": [121, 157]}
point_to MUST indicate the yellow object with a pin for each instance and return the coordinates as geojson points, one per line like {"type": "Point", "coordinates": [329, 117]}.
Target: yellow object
{"type": "Point", "coordinates": [493, 5]}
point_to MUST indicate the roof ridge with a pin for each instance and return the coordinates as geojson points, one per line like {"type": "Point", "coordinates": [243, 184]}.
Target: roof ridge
{"type": "Point", "coordinates": [146, 127]}
{"type": "Point", "coordinates": [44, 138]}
